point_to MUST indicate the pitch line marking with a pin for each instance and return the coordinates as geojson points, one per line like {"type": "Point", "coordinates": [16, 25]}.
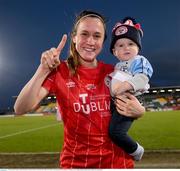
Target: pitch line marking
{"type": "Point", "coordinates": [27, 131]}
{"type": "Point", "coordinates": [28, 153]}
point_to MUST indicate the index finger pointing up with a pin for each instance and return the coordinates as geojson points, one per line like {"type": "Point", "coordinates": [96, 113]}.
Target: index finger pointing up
{"type": "Point", "coordinates": [62, 43]}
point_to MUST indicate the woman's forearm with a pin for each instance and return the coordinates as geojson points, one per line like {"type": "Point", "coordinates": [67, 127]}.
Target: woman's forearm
{"type": "Point", "coordinates": [32, 93]}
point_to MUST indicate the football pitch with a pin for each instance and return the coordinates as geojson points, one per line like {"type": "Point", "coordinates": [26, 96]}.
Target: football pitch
{"type": "Point", "coordinates": [30, 134]}
{"type": "Point", "coordinates": [36, 141]}
{"type": "Point", "coordinates": [155, 131]}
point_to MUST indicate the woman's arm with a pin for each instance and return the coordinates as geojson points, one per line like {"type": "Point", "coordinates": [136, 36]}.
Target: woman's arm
{"type": "Point", "coordinates": [33, 92]}
{"type": "Point", "coordinates": [129, 105]}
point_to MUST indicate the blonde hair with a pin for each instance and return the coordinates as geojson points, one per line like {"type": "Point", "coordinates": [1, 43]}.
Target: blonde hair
{"type": "Point", "coordinates": [72, 59]}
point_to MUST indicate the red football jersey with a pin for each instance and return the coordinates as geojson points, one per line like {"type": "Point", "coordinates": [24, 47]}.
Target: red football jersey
{"type": "Point", "coordinates": [84, 102]}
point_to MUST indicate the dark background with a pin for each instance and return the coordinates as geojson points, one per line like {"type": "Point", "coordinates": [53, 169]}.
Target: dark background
{"type": "Point", "coordinates": [28, 27]}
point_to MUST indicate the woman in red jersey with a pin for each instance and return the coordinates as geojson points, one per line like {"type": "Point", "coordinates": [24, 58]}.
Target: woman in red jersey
{"type": "Point", "coordinates": [81, 86]}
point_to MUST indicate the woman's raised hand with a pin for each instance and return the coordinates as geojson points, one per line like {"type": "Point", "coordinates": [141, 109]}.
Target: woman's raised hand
{"type": "Point", "coordinates": [50, 59]}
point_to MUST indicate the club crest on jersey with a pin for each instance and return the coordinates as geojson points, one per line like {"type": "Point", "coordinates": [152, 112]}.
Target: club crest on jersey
{"type": "Point", "coordinates": [90, 87]}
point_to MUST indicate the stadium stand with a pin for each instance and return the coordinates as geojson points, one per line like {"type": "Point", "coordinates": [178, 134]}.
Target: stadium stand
{"type": "Point", "coordinates": [156, 99]}
{"type": "Point", "coordinates": [162, 98]}
{"type": "Point", "coordinates": [48, 105]}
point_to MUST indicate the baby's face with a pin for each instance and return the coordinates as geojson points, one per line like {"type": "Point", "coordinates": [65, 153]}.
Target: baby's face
{"type": "Point", "coordinates": [125, 49]}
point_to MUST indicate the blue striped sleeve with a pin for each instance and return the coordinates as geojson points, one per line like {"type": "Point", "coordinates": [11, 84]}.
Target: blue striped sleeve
{"type": "Point", "coordinates": [141, 65]}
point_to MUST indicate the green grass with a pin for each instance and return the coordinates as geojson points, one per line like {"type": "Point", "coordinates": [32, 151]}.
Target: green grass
{"type": "Point", "coordinates": [158, 130]}
{"type": "Point", "coordinates": [37, 134]}
{"type": "Point", "coordinates": [155, 131]}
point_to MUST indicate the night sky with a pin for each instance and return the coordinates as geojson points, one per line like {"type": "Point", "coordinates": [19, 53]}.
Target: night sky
{"type": "Point", "coordinates": [29, 27]}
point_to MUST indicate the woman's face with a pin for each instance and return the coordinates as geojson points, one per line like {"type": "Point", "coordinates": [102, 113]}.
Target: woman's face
{"type": "Point", "coordinates": [89, 40]}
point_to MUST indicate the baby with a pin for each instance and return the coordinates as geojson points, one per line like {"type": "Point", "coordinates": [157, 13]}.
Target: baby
{"type": "Point", "coordinates": [132, 74]}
